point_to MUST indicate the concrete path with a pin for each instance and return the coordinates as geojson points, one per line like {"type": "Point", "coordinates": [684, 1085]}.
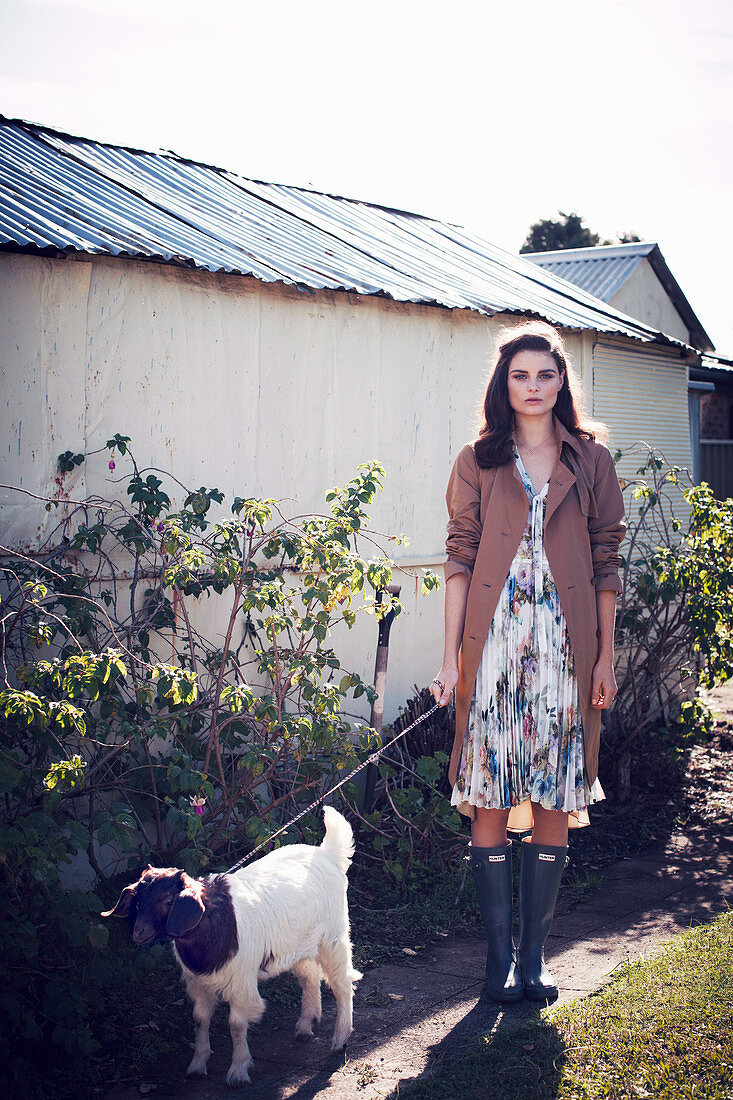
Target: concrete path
{"type": "Point", "coordinates": [407, 1014]}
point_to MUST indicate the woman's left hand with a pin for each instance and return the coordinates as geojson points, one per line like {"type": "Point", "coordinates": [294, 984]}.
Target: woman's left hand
{"type": "Point", "coordinates": [603, 684]}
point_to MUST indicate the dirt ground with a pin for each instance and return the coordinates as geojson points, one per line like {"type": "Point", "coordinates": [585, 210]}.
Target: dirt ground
{"type": "Point", "coordinates": [409, 1013]}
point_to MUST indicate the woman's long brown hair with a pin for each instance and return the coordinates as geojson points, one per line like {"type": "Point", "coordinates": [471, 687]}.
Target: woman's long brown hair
{"type": "Point", "coordinates": [494, 445]}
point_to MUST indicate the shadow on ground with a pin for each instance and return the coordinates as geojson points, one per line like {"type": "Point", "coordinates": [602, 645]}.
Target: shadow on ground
{"type": "Point", "coordinates": [412, 1015]}
{"type": "Point", "coordinates": [506, 1051]}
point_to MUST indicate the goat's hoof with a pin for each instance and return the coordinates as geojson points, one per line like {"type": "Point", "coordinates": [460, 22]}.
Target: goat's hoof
{"type": "Point", "coordinates": [303, 1031]}
{"type": "Point", "coordinates": [237, 1076]}
{"type": "Point", "coordinates": [196, 1069]}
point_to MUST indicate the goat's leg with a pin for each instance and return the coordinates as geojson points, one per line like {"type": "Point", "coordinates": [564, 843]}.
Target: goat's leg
{"type": "Point", "coordinates": [204, 1003]}
{"type": "Point", "coordinates": [340, 975]}
{"type": "Point", "coordinates": [245, 1007]}
{"type": "Point", "coordinates": [309, 974]}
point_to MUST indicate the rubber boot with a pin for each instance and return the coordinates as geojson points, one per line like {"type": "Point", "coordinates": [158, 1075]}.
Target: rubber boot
{"type": "Point", "coordinates": [539, 882]}
{"type": "Point", "coordinates": [492, 875]}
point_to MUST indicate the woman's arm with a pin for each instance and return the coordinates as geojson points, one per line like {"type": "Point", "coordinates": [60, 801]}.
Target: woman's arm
{"type": "Point", "coordinates": [463, 498]}
{"type": "Point", "coordinates": [606, 532]}
{"type": "Point", "coordinates": [607, 529]}
{"type": "Point", "coordinates": [456, 595]}
{"type": "Point", "coordinates": [603, 682]}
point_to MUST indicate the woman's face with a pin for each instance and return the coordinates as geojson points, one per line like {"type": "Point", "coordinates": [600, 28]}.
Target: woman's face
{"type": "Point", "coordinates": [533, 383]}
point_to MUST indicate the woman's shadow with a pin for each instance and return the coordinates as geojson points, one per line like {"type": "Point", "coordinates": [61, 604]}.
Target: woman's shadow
{"type": "Point", "coordinates": [497, 1052]}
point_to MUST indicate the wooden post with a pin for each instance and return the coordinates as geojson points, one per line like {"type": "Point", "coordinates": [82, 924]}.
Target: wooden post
{"type": "Point", "coordinates": [380, 678]}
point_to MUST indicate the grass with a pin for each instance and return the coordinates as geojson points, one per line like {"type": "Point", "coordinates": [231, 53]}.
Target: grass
{"type": "Point", "coordinates": [662, 1028]}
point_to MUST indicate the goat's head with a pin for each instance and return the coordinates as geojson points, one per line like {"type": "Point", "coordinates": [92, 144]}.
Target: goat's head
{"type": "Point", "coordinates": [165, 902]}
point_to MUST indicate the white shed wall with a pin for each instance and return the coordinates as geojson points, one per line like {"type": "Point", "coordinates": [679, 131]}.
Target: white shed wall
{"type": "Point", "coordinates": [260, 390]}
{"type": "Point", "coordinates": [642, 296]}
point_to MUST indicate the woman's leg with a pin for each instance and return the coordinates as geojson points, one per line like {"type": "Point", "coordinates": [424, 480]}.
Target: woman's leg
{"type": "Point", "coordinates": [491, 865]}
{"type": "Point", "coordinates": [543, 861]}
{"type": "Point", "coordinates": [550, 826]}
{"type": "Point", "coordinates": [488, 828]}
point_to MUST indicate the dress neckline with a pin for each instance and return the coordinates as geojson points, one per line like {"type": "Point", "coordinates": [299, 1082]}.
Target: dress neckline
{"type": "Point", "coordinates": [526, 479]}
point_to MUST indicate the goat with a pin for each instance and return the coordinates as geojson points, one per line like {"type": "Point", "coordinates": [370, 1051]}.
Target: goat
{"type": "Point", "coordinates": [287, 911]}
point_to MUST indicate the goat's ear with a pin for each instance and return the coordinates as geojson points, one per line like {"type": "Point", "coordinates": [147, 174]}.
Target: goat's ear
{"type": "Point", "coordinates": [187, 909]}
{"type": "Point", "coordinates": [125, 903]}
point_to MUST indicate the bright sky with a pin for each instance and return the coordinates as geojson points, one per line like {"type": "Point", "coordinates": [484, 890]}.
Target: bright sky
{"type": "Point", "coordinates": [488, 114]}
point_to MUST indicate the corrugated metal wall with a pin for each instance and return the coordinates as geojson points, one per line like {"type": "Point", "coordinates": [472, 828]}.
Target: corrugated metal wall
{"type": "Point", "coordinates": [716, 467]}
{"type": "Point", "coordinates": [642, 396]}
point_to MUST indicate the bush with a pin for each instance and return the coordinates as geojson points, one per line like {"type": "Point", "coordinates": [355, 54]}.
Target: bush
{"type": "Point", "coordinates": [129, 734]}
{"type": "Point", "coordinates": [674, 629]}
{"type": "Point", "coordinates": [411, 825]}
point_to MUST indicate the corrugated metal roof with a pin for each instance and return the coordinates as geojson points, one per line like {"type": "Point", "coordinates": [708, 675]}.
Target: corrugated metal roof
{"type": "Point", "coordinates": [601, 271]}
{"type": "Point", "coordinates": [604, 269]}
{"type": "Point", "coordinates": [59, 192]}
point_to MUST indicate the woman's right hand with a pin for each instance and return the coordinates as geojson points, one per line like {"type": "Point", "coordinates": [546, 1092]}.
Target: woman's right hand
{"type": "Point", "coordinates": [443, 685]}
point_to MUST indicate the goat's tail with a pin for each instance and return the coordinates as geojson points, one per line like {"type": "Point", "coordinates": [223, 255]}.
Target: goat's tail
{"type": "Point", "coordinates": [339, 839]}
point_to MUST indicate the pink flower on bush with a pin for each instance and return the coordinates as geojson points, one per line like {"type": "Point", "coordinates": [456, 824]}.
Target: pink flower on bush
{"type": "Point", "coordinates": [198, 802]}
{"type": "Point", "coordinates": [111, 464]}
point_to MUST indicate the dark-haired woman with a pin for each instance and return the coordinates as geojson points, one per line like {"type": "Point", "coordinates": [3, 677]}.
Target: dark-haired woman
{"type": "Point", "coordinates": [536, 520]}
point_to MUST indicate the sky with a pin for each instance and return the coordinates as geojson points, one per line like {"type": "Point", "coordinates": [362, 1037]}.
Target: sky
{"type": "Point", "coordinates": [489, 115]}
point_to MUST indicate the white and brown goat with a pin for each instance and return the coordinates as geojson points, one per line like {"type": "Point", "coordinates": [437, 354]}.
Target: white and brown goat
{"type": "Point", "coordinates": [287, 911]}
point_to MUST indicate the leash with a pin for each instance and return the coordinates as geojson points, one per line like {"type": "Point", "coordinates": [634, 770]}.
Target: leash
{"type": "Point", "coordinates": [369, 760]}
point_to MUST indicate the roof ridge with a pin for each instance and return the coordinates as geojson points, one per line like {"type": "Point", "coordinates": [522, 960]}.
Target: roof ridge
{"type": "Point", "coordinates": [593, 252]}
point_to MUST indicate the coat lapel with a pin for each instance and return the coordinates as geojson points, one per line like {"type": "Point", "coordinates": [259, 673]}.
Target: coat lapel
{"type": "Point", "coordinates": [561, 482]}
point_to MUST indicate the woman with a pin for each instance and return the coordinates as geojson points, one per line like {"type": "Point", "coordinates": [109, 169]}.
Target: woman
{"type": "Point", "coordinates": [536, 520]}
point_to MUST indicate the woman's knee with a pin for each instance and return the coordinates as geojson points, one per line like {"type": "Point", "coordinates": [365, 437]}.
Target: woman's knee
{"type": "Point", "coordinates": [488, 829]}
{"type": "Point", "coordinates": [549, 826]}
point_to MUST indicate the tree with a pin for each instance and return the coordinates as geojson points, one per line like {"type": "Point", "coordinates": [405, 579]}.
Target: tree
{"type": "Point", "coordinates": [675, 613]}
{"type": "Point", "coordinates": [568, 231]}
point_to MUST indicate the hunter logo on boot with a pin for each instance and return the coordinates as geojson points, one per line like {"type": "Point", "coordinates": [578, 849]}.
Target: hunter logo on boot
{"type": "Point", "coordinates": [496, 859]}
{"type": "Point", "coordinates": [546, 856]}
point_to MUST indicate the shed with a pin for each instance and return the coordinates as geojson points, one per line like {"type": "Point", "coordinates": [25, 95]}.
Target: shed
{"type": "Point", "coordinates": [267, 338]}
{"type": "Point", "coordinates": [635, 278]}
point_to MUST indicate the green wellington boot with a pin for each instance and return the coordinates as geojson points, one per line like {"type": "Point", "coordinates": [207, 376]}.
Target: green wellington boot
{"type": "Point", "coordinates": [539, 881]}
{"type": "Point", "coordinates": [492, 875]}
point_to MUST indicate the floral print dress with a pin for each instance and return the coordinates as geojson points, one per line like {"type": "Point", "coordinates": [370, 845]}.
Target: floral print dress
{"type": "Point", "coordinates": [524, 737]}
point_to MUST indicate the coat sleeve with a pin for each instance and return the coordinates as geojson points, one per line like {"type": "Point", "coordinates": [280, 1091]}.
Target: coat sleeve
{"type": "Point", "coordinates": [607, 529]}
{"type": "Point", "coordinates": [463, 498]}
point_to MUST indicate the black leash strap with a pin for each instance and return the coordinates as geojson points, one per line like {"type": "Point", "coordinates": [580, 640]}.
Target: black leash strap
{"type": "Point", "coordinates": [369, 760]}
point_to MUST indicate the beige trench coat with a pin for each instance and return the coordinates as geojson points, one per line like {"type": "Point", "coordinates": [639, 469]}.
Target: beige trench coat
{"type": "Point", "coordinates": [584, 528]}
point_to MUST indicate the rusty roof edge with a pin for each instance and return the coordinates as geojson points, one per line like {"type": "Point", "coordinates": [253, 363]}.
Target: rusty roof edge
{"type": "Point", "coordinates": [563, 288]}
